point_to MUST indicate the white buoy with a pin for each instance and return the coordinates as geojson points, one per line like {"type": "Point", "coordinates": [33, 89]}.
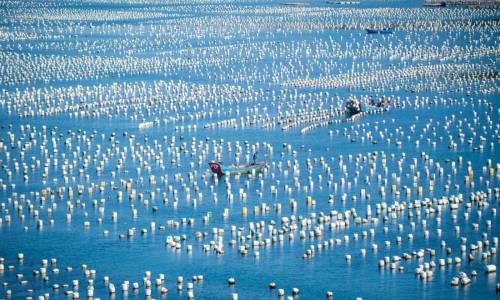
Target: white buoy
{"type": "Point", "coordinates": [491, 268]}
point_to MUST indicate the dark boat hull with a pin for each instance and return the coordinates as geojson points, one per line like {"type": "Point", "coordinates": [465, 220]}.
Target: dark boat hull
{"type": "Point", "coordinates": [379, 31]}
{"type": "Point", "coordinates": [435, 4]}
{"type": "Point", "coordinates": [220, 169]}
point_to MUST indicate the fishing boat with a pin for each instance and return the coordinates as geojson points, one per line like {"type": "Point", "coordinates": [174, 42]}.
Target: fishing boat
{"type": "Point", "coordinates": [352, 108]}
{"type": "Point", "coordinates": [435, 3]}
{"type": "Point", "coordinates": [385, 30]}
{"type": "Point", "coordinates": [342, 2]}
{"type": "Point", "coordinates": [294, 3]}
{"type": "Point", "coordinates": [382, 103]}
{"type": "Point", "coordinates": [220, 169]}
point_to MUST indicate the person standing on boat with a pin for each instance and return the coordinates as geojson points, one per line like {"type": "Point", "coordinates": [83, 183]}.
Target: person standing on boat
{"type": "Point", "coordinates": [254, 157]}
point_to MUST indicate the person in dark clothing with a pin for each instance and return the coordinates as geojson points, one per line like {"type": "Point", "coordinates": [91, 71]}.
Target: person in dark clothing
{"type": "Point", "coordinates": [254, 158]}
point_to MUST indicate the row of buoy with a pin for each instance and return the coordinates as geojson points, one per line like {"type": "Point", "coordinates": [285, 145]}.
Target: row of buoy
{"type": "Point", "coordinates": [72, 290]}
{"type": "Point", "coordinates": [238, 150]}
{"type": "Point", "coordinates": [407, 79]}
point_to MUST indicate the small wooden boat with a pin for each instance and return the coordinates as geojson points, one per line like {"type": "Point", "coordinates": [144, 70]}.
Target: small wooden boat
{"type": "Point", "coordinates": [220, 169]}
{"type": "Point", "coordinates": [435, 4]}
{"type": "Point", "coordinates": [385, 30]}
{"type": "Point", "coordinates": [293, 3]}
{"type": "Point", "coordinates": [342, 2]}
{"type": "Point", "coordinates": [384, 102]}
{"type": "Point", "coordinates": [352, 107]}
